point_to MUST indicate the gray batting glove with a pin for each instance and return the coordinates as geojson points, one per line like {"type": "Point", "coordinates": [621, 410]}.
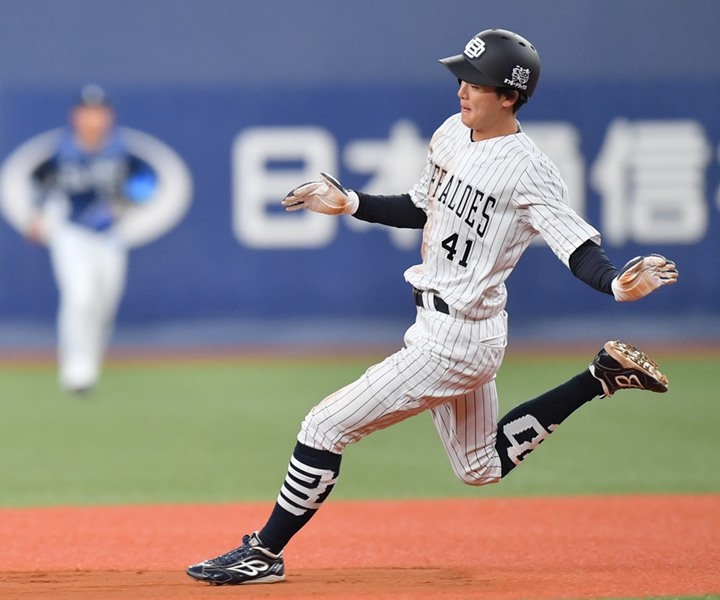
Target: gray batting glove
{"type": "Point", "coordinates": [326, 196]}
{"type": "Point", "coordinates": [642, 275]}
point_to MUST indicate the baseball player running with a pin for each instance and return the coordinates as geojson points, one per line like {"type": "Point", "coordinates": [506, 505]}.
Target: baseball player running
{"type": "Point", "coordinates": [485, 193]}
{"type": "Point", "coordinates": [81, 191]}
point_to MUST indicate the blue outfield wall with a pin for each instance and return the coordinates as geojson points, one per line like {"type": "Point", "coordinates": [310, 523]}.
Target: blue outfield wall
{"type": "Point", "coordinates": [641, 161]}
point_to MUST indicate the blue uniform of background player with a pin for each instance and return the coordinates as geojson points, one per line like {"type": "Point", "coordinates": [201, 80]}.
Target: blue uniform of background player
{"type": "Point", "coordinates": [82, 189]}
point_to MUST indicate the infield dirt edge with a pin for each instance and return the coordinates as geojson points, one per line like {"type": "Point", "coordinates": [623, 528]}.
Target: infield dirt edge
{"type": "Point", "coordinates": [507, 549]}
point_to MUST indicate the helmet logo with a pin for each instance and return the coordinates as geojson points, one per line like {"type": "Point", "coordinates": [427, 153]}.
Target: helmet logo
{"type": "Point", "coordinates": [475, 47]}
{"type": "Point", "coordinates": [520, 77]}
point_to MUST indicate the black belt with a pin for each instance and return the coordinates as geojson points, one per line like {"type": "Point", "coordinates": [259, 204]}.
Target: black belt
{"type": "Point", "coordinates": [438, 303]}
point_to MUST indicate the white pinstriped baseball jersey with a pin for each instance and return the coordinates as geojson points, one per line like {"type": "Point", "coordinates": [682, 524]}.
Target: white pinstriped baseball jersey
{"type": "Point", "coordinates": [485, 202]}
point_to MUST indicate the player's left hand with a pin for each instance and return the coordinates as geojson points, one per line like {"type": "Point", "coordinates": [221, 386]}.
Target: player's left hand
{"type": "Point", "coordinates": [642, 275]}
{"type": "Point", "coordinates": [326, 196]}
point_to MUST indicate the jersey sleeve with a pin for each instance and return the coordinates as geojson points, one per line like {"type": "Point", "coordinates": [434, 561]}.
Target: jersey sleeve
{"type": "Point", "coordinates": [43, 179]}
{"type": "Point", "coordinates": [418, 193]}
{"type": "Point", "coordinates": [141, 181]}
{"type": "Point", "coordinates": [543, 197]}
{"type": "Point", "coordinates": [45, 172]}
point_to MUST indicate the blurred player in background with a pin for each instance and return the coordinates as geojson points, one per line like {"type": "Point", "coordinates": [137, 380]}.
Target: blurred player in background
{"type": "Point", "coordinates": [81, 191]}
{"type": "Point", "coordinates": [486, 192]}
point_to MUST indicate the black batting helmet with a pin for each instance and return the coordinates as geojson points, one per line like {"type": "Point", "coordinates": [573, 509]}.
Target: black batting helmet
{"type": "Point", "coordinates": [499, 58]}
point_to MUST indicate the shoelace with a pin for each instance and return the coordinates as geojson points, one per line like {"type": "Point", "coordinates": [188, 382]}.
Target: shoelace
{"type": "Point", "coordinates": [234, 555]}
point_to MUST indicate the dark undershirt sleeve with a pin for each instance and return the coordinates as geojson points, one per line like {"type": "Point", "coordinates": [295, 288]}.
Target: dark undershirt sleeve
{"type": "Point", "coordinates": [396, 211]}
{"type": "Point", "coordinates": [590, 264]}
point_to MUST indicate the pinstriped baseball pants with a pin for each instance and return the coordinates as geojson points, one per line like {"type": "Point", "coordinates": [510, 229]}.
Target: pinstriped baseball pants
{"type": "Point", "coordinates": [447, 366]}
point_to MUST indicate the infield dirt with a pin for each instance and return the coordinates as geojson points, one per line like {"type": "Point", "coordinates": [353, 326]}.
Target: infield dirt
{"type": "Point", "coordinates": [500, 549]}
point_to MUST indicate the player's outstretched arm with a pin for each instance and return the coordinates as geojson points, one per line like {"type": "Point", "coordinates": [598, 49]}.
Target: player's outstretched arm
{"type": "Point", "coordinates": [643, 275]}
{"type": "Point", "coordinates": [326, 196]}
{"type": "Point", "coordinates": [331, 198]}
{"type": "Point", "coordinates": [639, 277]}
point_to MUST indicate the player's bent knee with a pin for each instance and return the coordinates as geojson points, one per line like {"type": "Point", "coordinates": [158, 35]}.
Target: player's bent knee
{"type": "Point", "coordinates": [477, 482]}
{"type": "Point", "coordinates": [485, 475]}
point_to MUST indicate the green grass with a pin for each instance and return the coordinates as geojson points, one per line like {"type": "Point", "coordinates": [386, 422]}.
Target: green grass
{"type": "Point", "coordinates": [214, 431]}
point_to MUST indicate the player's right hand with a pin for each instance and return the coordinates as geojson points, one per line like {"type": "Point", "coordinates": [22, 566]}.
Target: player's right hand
{"type": "Point", "coordinates": [642, 275]}
{"type": "Point", "coordinates": [35, 230]}
{"type": "Point", "coordinates": [326, 196]}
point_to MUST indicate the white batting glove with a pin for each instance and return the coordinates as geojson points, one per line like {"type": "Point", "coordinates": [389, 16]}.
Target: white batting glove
{"type": "Point", "coordinates": [642, 275]}
{"type": "Point", "coordinates": [326, 196]}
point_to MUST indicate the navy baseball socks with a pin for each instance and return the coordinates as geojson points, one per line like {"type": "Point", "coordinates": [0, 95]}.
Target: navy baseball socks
{"type": "Point", "coordinates": [310, 478]}
{"type": "Point", "coordinates": [616, 366]}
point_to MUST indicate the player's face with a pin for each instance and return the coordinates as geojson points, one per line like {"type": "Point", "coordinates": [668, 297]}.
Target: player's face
{"type": "Point", "coordinates": [92, 125]}
{"type": "Point", "coordinates": [484, 112]}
